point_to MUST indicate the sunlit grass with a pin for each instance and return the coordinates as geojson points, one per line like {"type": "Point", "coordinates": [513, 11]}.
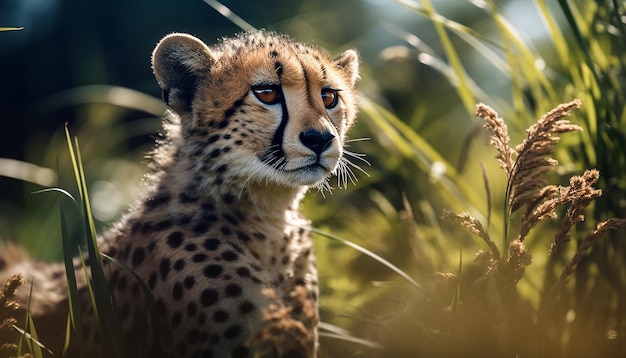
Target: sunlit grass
{"type": "Point", "coordinates": [534, 90]}
{"type": "Point", "coordinates": [421, 152]}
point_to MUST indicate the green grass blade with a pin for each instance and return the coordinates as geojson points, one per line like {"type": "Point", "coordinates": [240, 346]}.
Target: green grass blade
{"type": "Point", "coordinates": [75, 314]}
{"type": "Point", "coordinates": [471, 37]}
{"type": "Point", "coordinates": [68, 334]}
{"type": "Point", "coordinates": [558, 40]}
{"type": "Point", "coordinates": [522, 59]}
{"type": "Point", "coordinates": [25, 171]}
{"type": "Point", "coordinates": [451, 75]}
{"type": "Point", "coordinates": [331, 331]}
{"type": "Point", "coordinates": [88, 216]}
{"type": "Point", "coordinates": [351, 339]}
{"type": "Point", "coordinates": [92, 296]}
{"type": "Point", "coordinates": [30, 339]}
{"type": "Point", "coordinates": [29, 333]}
{"type": "Point", "coordinates": [462, 87]}
{"type": "Point", "coordinates": [29, 327]}
{"type": "Point", "coordinates": [114, 95]}
{"type": "Point", "coordinates": [102, 294]}
{"type": "Point", "coordinates": [70, 147]}
{"type": "Point", "coordinates": [58, 190]}
{"type": "Point", "coordinates": [97, 271]}
{"type": "Point", "coordinates": [227, 13]}
{"type": "Point", "coordinates": [512, 60]}
{"type": "Point", "coordinates": [376, 257]}
{"type": "Point", "coordinates": [102, 301]}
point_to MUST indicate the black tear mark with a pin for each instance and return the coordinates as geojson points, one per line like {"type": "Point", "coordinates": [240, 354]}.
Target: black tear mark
{"type": "Point", "coordinates": [276, 150]}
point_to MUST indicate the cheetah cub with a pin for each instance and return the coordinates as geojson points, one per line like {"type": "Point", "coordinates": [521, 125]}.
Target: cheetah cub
{"type": "Point", "coordinates": [253, 122]}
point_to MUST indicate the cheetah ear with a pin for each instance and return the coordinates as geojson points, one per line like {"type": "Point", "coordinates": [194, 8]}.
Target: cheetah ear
{"type": "Point", "coordinates": [179, 61]}
{"type": "Point", "coordinates": [349, 63]}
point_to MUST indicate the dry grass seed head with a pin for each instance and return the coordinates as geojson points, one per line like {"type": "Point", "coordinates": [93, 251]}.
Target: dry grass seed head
{"type": "Point", "coordinates": [473, 225]}
{"type": "Point", "coordinates": [531, 161]}
{"type": "Point", "coordinates": [500, 136]}
{"type": "Point", "coordinates": [548, 192]}
{"type": "Point", "coordinates": [587, 243]}
{"type": "Point", "coordinates": [518, 259]}
{"type": "Point", "coordinates": [7, 305]}
{"type": "Point", "coordinates": [581, 194]}
{"type": "Point", "coordinates": [7, 309]}
{"type": "Point", "coordinates": [528, 162]}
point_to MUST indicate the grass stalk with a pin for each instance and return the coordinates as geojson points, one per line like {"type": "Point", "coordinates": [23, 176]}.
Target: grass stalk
{"type": "Point", "coordinates": [463, 88]}
{"type": "Point", "coordinates": [75, 320]}
{"type": "Point", "coordinates": [379, 259]}
{"type": "Point", "coordinates": [103, 301]}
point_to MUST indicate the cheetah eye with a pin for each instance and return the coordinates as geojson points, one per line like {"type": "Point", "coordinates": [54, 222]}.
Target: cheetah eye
{"type": "Point", "coordinates": [330, 97]}
{"type": "Point", "coordinates": [269, 94]}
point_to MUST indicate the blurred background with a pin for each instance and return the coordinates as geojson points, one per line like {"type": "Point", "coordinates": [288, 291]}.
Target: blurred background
{"type": "Point", "coordinates": [425, 64]}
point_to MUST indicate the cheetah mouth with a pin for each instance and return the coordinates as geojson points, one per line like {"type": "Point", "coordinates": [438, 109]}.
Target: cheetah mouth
{"type": "Point", "coordinates": [306, 171]}
{"type": "Point", "coordinates": [308, 168]}
{"type": "Point", "coordinates": [310, 174]}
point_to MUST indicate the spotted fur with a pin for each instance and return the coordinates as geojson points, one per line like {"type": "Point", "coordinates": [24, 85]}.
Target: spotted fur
{"type": "Point", "coordinates": [253, 122]}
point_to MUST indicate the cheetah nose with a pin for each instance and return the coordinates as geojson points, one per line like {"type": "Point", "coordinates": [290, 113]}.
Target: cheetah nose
{"type": "Point", "coordinates": [316, 141]}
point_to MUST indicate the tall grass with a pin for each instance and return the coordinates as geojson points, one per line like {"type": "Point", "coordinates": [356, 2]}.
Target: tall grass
{"type": "Point", "coordinates": [567, 303]}
{"type": "Point", "coordinates": [564, 302]}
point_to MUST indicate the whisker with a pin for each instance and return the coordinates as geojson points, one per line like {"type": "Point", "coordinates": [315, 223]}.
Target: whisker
{"type": "Point", "coordinates": [350, 173]}
{"type": "Point", "coordinates": [280, 163]}
{"type": "Point", "coordinates": [342, 175]}
{"type": "Point", "coordinates": [358, 140]}
{"type": "Point", "coordinates": [324, 186]}
{"type": "Point", "coordinates": [359, 156]}
{"type": "Point", "coordinates": [339, 174]}
{"type": "Point", "coordinates": [355, 166]}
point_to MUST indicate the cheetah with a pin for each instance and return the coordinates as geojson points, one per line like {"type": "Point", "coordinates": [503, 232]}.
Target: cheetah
{"type": "Point", "coordinates": [252, 123]}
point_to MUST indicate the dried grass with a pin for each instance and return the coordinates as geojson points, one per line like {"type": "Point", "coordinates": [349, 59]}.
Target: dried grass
{"type": "Point", "coordinates": [474, 226]}
{"type": "Point", "coordinates": [526, 164]}
{"type": "Point", "coordinates": [494, 288]}
{"type": "Point", "coordinates": [526, 187]}
{"type": "Point", "coordinates": [587, 243]}
{"type": "Point", "coordinates": [8, 308]}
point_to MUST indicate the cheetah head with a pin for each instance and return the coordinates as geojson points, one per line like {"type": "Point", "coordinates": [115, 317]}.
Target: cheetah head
{"type": "Point", "coordinates": [260, 107]}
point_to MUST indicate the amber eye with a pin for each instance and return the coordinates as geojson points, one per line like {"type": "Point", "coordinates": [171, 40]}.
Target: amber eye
{"type": "Point", "coordinates": [267, 94]}
{"type": "Point", "coordinates": [329, 97]}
